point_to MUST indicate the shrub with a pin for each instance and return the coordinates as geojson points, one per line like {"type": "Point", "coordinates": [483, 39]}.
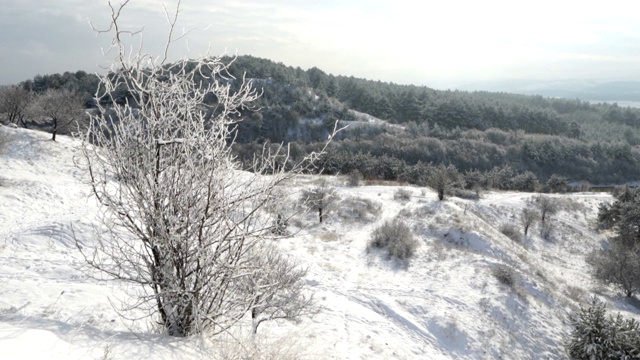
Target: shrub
{"type": "Point", "coordinates": [510, 231]}
{"type": "Point", "coordinates": [557, 183]}
{"type": "Point", "coordinates": [280, 224]}
{"type": "Point", "coordinates": [505, 275]}
{"type": "Point", "coordinates": [402, 194]}
{"type": "Point", "coordinates": [354, 178]}
{"type": "Point", "coordinates": [547, 230]}
{"type": "Point", "coordinates": [596, 336]}
{"type": "Point", "coordinates": [396, 238]}
{"type": "Point", "coordinates": [4, 139]}
{"type": "Point", "coordinates": [465, 194]}
{"type": "Point", "coordinates": [359, 209]}
{"type": "Point", "coordinates": [619, 265]}
{"type": "Point", "coordinates": [526, 181]}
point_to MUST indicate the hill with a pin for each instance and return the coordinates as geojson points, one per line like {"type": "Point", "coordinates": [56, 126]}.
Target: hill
{"type": "Point", "coordinates": [450, 301]}
{"type": "Point", "coordinates": [479, 131]}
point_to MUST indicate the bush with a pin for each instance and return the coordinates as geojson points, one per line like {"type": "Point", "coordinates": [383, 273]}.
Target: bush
{"type": "Point", "coordinates": [526, 181]}
{"type": "Point", "coordinates": [396, 238]}
{"type": "Point", "coordinates": [4, 139]}
{"type": "Point", "coordinates": [402, 194]}
{"type": "Point", "coordinates": [354, 178]}
{"type": "Point", "coordinates": [619, 265]}
{"type": "Point", "coordinates": [547, 230]}
{"type": "Point", "coordinates": [510, 231]}
{"type": "Point", "coordinates": [280, 224]}
{"type": "Point", "coordinates": [359, 209]}
{"type": "Point", "coordinates": [557, 183]}
{"type": "Point", "coordinates": [596, 336]}
{"type": "Point", "coordinates": [505, 275]}
{"type": "Point", "coordinates": [465, 194]}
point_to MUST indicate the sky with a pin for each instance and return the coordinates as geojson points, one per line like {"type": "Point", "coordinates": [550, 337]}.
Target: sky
{"type": "Point", "coordinates": [440, 44]}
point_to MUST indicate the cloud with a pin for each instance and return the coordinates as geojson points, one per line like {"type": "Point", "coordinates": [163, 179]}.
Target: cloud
{"type": "Point", "coordinates": [392, 40]}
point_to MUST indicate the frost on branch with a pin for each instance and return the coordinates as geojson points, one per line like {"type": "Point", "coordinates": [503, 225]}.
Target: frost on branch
{"type": "Point", "coordinates": [185, 220]}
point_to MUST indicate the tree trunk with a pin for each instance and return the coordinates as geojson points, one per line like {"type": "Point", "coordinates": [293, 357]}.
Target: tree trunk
{"type": "Point", "coordinates": [55, 129]}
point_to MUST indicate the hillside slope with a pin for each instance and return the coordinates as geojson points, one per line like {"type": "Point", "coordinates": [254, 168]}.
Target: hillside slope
{"type": "Point", "coordinates": [445, 303]}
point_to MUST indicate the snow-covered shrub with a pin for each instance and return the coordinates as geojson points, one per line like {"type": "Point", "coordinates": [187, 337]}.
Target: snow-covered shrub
{"type": "Point", "coordinates": [4, 144]}
{"type": "Point", "coordinates": [505, 275]}
{"type": "Point", "coordinates": [402, 194]}
{"type": "Point", "coordinates": [354, 178]}
{"type": "Point", "coordinates": [4, 139]}
{"type": "Point", "coordinates": [557, 183]}
{"type": "Point", "coordinates": [357, 209]}
{"type": "Point", "coordinates": [575, 293]}
{"type": "Point", "coordinates": [396, 238]}
{"type": "Point", "coordinates": [547, 230]}
{"type": "Point", "coordinates": [280, 224]}
{"type": "Point", "coordinates": [510, 231]}
{"type": "Point", "coordinates": [526, 181]}
{"type": "Point", "coordinates": [598, 336]}
{"type": "Point", "coordinates": [465, 194]}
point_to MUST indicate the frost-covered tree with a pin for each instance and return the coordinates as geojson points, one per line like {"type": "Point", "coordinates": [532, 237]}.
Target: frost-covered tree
{"type": "Point", "coordinates": [184, 220]}
{"type": "Point", "coordinates": [547, 206]}
{"type": "Point", "coordinates": [320, 198]}
{"type": "Point", "coordinates": [14, 101]}
{"type": "Point", "coordinates": [557, 183]}
{"type": "Point", "coordinates": [527, 218]}
{"type": "Point", "coordinates": [62, 108]}
{"type": "Point", "coordinates": [619, 265]}
{"type": "Point", "coordinates": [598, 336]}
{"type": "Point", "coordinates": [443, 178]}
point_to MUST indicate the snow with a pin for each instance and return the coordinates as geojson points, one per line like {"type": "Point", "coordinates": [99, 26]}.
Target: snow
{"type": "Point", "coordinates": [443, 304]}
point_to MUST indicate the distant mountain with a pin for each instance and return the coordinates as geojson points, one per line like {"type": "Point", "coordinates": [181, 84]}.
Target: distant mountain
{"type": "Point", "coordinates": [591, 90]}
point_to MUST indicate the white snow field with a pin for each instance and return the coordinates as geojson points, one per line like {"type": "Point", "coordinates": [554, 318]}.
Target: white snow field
{"type": "Point", "coordinates": [445, 303]}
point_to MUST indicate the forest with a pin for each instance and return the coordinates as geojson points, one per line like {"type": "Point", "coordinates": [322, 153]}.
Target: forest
{"type": "Point", "coordinates": [402, 132]}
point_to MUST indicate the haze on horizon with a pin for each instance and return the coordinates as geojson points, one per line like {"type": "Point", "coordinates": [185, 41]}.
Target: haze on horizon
{"type": "Point", "coordinates": [438, 44]}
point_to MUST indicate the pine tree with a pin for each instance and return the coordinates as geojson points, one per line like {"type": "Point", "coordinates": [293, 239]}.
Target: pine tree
{"type": "Point", "coordinates": [598, 337]}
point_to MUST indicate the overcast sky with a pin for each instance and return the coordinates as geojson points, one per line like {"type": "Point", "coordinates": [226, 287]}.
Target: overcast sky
{"type": "Point", "coordinates": [436, 43]}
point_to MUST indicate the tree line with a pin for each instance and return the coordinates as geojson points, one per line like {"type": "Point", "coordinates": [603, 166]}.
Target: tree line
{"type": "Point", "coordinates": [473, 131]}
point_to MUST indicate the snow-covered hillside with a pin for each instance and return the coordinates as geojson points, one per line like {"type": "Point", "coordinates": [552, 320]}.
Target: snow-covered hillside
{"type": "Point", "coordinates": [444, 304]}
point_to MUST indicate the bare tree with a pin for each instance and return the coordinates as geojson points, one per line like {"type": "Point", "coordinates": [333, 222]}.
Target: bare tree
{"type": "Point", "coordinates": [527, 218]}
{"type": "Point", "coordinates": [62, 107]}
{"type": "Point", "coordinates": [547, 206]}
{"type": "Point", "coordinates": [184, 219]}
{"type": "Point", "coordinates": [14, 101]}
{"type": "Point", "coordinates": [320, 198]}
{"type": "Point", "coordinates": [443, 178]}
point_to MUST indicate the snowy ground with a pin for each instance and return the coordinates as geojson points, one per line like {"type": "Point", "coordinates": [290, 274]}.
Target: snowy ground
{"type": "Point", "coordinates": [444, 304]}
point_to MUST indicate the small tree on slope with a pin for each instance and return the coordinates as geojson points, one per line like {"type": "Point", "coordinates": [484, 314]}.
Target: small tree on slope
{"type": "Point", "coordinates": [62, 107]}
{"type": "Point", "coordinates": [184, 220]}
{"type": "Point", "coordinates": [596, 336]}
